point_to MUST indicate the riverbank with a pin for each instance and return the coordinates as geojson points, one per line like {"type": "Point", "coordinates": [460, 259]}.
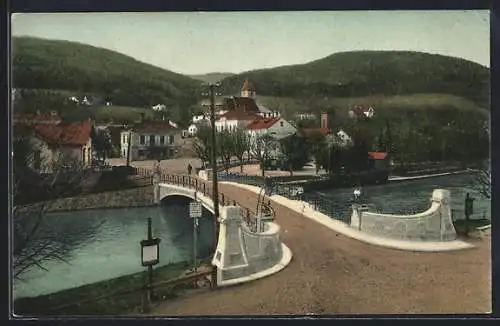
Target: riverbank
{"type": "Point", "coordinates": [427, 176]}
{"type": "Point", "coordinates": [136, 197]}
{"type": "Point", "coordinates": [111, 297]}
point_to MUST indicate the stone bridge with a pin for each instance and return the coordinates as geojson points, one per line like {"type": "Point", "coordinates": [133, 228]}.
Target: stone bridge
{"type": "Point", "coordinates": [249, 245]}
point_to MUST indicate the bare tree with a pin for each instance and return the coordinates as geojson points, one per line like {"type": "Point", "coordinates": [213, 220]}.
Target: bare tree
{"type": "Point", "coordinates": [202, 144]}
{"type": "Point", "coordinates": [260, 149]}
{"type": "Point", "coordinates": [241, 146]}
{"type": "Point", "coordinates": [225, 148]}
{"type": "Point", "coordinates": [32, 246]}
{"type": "Point", "coordinates": [482, 182]}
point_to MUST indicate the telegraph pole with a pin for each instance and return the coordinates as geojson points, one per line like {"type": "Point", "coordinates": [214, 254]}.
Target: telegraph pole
{"type": "Point", "coordinates": [215, 186]}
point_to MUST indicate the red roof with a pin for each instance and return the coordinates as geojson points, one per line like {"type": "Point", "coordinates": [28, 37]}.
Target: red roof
{"type": "Point", "coordinates": [154, 127]}
{"type": "Point", "coordinates": [313, 132]}
{"type": "Point", "coordinates": [239, 114]}
{"type": "Point", "coordinates": [51, 118]}
{"type": "Point", "coordinates": [246, 104]}
{"type": "Point", "coordinates": [262, 123]}
{"type": "Point", "coordinates": [360, 111]}
{"type": "Point", "coordinates": [69, 134]}
{"type": "Point", "coordinates": [377, 155]}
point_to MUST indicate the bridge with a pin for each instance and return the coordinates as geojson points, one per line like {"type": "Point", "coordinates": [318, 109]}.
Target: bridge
{"type": "Point", "coordinates": [249, 245]}
{"type": "Point", "coordinates": [333, 273]}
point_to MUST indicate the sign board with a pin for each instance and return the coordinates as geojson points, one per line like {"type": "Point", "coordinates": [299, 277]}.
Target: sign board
{"type": "Point", "coordinates": [195, 209]}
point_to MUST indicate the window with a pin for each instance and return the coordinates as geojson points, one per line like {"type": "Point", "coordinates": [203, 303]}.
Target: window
{"type": "Point", "coordinates": [151, 139]}
{"type": "Point", "coordinates": [281, 123]}
{"type": "Point", "coordinates": [162, 140]}
{"type": "Point", "coordinates": [170, 139]}
{"type": "Point", "coordinates": [143, 139]}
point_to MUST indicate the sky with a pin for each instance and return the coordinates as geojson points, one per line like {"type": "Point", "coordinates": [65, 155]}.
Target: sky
{"type": "Point", "coordinates": [203, 42]}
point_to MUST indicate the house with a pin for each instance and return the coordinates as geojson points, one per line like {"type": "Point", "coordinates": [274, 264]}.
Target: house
{"type": "Point", "coordinates": [151, 139]}
{"type": "Point", "coordinates": [360, 112]}
{"type": "Point", "coordinates": [272, 124]}
{"type": "Point", "coordinates": [237, 119]}
{"type": "Point", "coordinates": [379, 161]}
{"type": "Point", "coordinates": [51, 140]}
{"type": "Point", "coordinates": [159, 107]}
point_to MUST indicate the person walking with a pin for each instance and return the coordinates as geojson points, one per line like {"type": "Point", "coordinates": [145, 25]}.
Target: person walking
{"type": "Point", "coordinates": [189, 168]}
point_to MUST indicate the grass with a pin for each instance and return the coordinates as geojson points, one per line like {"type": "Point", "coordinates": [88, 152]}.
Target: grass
{"type": "Point", "coordinates": [86, 299]}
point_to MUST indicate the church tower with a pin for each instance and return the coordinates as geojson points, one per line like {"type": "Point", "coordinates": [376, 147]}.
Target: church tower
{"type": "Point", "coordinates": [248, 90]}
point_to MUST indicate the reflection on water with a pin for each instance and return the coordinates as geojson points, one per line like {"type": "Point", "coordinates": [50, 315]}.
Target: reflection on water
{"type": "Point", "coordinates": [110, 246]}
{"type": "Point", "coordinates": [408, 197]}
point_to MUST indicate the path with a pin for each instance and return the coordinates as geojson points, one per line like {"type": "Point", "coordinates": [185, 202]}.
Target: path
{"type": "Point", "coordinates": [333, 274]}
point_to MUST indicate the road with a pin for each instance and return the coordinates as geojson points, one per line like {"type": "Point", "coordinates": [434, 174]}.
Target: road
{"type": "Point", "coordinates": [333, 274]}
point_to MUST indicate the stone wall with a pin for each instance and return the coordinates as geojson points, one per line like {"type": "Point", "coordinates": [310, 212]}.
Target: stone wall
{"type": "Point", "coordinates": [434, 224]}
{"type": "Point", "coordinates": [141, 196]}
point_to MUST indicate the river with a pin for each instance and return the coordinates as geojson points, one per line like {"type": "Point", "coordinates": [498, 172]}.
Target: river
{"type": "Point", "coordinates": [412, 196]}
{"type": "Point", "coordinates": [104, 244]}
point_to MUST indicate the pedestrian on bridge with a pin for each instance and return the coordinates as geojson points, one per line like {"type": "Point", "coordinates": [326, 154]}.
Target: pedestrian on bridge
{"type": "Point", "coordinates": [189, 168]}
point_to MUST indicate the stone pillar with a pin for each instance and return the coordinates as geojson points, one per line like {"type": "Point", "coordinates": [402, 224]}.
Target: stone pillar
{"type": "Point", "coordinates": [156, 188]}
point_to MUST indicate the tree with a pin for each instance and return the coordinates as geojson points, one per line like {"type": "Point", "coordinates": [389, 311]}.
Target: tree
{"type": "Point", "coordinates": [482, 182]}
{"type": "Point", "coordinates": [260, 149]}
{"type": "Point", "coordinates": [101, 143]}
{"type": "Point", "coordinates": [225, 148]}
{"type": "Point", "coordinates": [293, 150]}
{"type": "Point", "coordinates": [32, 247]}
{"type": "Point", "coordinates": [241, 143]}
{"type": "Point", "coordinates": [202, 144]}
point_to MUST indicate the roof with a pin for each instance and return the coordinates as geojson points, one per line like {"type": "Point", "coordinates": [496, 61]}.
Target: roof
{"type": "Point", "coordinates": [155, 127]}
{"type": "Point", "coordinates": [248, 86]}
{"type": "Point", "coordinates": [51, 118]}
{"type": "Point", "coordinates": [377, 155]}
{"type": "Point", "coordinates": [239, 114]}
{"type": "Point", "coordinates": [358, 110]}
{"type": "Point", "coordinates": [243, 103]}
{"type": "Point", "coordinates": [313, 132]}
{"type": "Point", "coordinates": [69, 134]}
{"type": "Point", "coordinates": [262, 123]}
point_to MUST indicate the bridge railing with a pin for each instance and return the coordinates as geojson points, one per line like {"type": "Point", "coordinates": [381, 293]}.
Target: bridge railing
{"type": "Point", "coordinates": [248, 215]}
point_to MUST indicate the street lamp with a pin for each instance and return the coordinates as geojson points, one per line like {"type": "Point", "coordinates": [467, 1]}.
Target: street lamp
{"type": "Point", "coordinates": [213, 162]}
{"type": "Point", "coordinates": [150, 256]}
{"type": "Point", "coordinates": [357, 194]}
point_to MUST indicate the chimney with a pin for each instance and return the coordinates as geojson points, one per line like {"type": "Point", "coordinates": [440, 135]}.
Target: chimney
{"type": "Point", "coordinates": [324, 119]}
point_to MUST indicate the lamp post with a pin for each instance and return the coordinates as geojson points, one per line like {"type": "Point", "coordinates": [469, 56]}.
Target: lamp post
{"type": "Point", "coordinates": [357, 194]}
{"type": "Point", "coordinates": [150, 256]}
{"type": "Point", "coordinates": [213, 162]}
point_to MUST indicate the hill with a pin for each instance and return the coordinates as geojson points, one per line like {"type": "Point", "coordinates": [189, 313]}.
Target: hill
{"type": "Point", "coordinates": [212, 77]}
{"type": "Point", "coordinates": [84, 69]}
{"type": "Point", "coordinates": [369, 73]}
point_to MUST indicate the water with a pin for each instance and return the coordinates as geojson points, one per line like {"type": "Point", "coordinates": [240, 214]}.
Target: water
{"type": "Point", "coordinates": [413, 196]}
{"type": "Point", "coordinates": [104, 244]}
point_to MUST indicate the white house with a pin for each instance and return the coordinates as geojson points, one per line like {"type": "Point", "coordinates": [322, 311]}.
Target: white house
{"type": "Point", "coordinates": [151, 139]}
{"type": "Point", "coordinates": [159, 107]}
{"type": "Point", "coordinates": [360, 112]}
{"type": "Point", "coordinates": [272, 124]}
{"type": "Point", "coordinates": [235, 120]}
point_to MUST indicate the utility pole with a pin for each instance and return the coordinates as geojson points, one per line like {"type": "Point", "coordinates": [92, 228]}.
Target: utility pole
{"type": "Point", "coordinates": [128, 147]}
{"type": "Point", "coordinates": [215, 186]}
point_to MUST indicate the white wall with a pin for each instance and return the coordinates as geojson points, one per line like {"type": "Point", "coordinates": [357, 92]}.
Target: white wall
{"type": "Point", "coordinates": [434, 224]}
{"type": "Point", "coordinates": [48, 154]}
{"type": "Point", "coordinates": [172, 138]}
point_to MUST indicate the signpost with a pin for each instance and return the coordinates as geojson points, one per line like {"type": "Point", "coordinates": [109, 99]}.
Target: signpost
{"type": "Point", "coordinates": [195, 210]}
{"type": "Point", "coordinates": [150, 256]}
